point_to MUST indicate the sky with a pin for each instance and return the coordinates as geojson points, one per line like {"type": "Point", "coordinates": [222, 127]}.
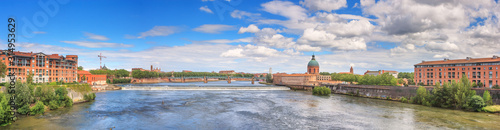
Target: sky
{"type": "Point", "coordinates": [255, 35]}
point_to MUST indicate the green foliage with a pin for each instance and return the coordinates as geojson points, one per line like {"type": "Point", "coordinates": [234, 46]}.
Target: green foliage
{"type": "Point", "coordinates": [89, 96]}
{"type": "Point", "coordinates": [487, 98]}
{"type": "Point", "coordinates": [492, 108]}
{"type": "Point", "coordinates": [80, 67]}
{"type": "Point", "coordinates": [346, 77]}
{"type": "Point", "coordinates": [407, 75]}
{"type": "Point", "coordinates": [23, 97]}
{"type": "Point", "coordinates": [117, 81]}
{"type": "Point", "coordinates": [5, 115]}
{"type": "Point", "coordinates": [496, 86]}
{"type": "Point", "coordinates": [39, 108]}
{"type": "Point", "coordinates": [29, 77]}
{"type": "Point", "coordinates": [324, 73]}
{"type": "Point", "coordinates": [404, 100]}
{"type": "Point", "coordinates": [269, 78]}
{"type": "Point", "coordinates": [63, 98]}
{"type": "Point", "coordinates": [322, 91]}
{"type": "Point", "coordinates": [476, 103]}
{"type": "Point", "coordinates": [53, 104]}
{"type": "Point", "coordinates": [3, 69]}
{"type": "Point", "coordinates": [422, 96]}
{"type": "Point", "coordinates": [384, 79]}
{"type": "Point", "coordinates": [81, 88]}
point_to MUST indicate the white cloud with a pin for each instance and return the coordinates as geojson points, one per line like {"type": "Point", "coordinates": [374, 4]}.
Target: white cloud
{"type": "Point", "coordinates": [96, 37]}
{"type": "Point", "coordinates": [214, 28]}
{"type": "Point", "coordinates": [251, 28]}
{"type": "Point", "coordinates": [90, 44]}
{"type": "Point", "coordinates": [286, 9]}
{"type": "Point", "coordinates": [242, 14]}
{"type": "Point", "coordinates": [326, 5]}
{"type": "Point", "coordinates": [206, 9]}
{"type": "Point", "coordinates": [225, 41]}
{"type": "Point", "coordinates": [324, 39]}
{"type": "Point", "coordinates": [159, 31]}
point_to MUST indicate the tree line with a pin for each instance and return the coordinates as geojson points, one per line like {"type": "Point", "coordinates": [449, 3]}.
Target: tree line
{"type": "Point", "coordinates": [150, 74]}
{"type": "Point", "coordinates": [455, 94]}
{"type": "Point", "coordinates": [383, 79]}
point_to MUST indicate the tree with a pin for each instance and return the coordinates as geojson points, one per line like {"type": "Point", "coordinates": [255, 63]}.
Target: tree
{"type": "Point", "coordinates": [3, 69]}
{"type": "Point", "coordinates": [269, 79]}
{"type": "Point", "coordinates": [487, 98]}
{"type": "Point", "coordinates": [476, 103]}
{"type": "Point", "coordinates": [39, 108]}
{"type": "Point", "coordinates": [23, 98]}
{"type": "Point", "coordinates": [29, 78]}
{"type": "Point", "coordinates": [5, 115]}
{"type": "Point", "coordinates": [324, 73]}
{"type": "Point", "coordinates": [80, 67]}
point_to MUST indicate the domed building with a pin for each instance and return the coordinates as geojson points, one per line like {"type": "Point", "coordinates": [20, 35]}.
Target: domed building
{"type": "Point", "coordinates": [313, 66]}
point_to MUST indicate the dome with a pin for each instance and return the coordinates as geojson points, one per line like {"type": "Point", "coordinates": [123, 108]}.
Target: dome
{"type": "Point", "coordinates": [313, 62]}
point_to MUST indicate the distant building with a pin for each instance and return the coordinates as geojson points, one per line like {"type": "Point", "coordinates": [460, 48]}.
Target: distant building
{"type": "Point", "coordinates": [478, 70]}
{"type": "Point", "coordinates": [151, 69]}
{"type": "Point", "coordinates": [308, 79]}
{"type": "Point", "coordinates": [227, 72]}
{"type": "Point", "coordinates": [379, 72]}
{"type": "Point", "coordinates": [323, 77]}
{"type": "Point", "coordinates": [44, 67]}
{"type": "Point", "coordinates": [187, 71]}
{"type": "Point", "coordinates": [87, 77]}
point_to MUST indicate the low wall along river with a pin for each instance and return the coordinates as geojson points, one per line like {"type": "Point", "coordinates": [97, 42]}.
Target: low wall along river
{"type": "Point", "coordinates": [395, 92]}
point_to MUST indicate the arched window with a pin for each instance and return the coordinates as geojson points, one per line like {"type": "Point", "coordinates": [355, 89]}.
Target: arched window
{"type": "Point", "coordinates": [314, 70]}
{"type": "Point", "coordinates": [310, 70]}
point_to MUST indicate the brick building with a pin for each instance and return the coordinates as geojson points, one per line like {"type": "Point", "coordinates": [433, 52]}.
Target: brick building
{"type": "Point", "coordinates": [313, 66]}
{"type": "Point", "coordinates": [87, 77]}
{"type": "Point", "coordinates": [310, 78]}
{"type": "Point", "coordinates": [478, 70]}
{"type": "Point", "coordinates": [44, 67]}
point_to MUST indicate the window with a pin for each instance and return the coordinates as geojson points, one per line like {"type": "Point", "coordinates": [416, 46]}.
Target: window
{"type": "Point", "coordinates": [490, 68]}
{"type": "Point", "coordinates": [491, 74]}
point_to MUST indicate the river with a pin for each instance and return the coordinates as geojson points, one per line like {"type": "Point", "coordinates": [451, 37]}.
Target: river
{"type": "Point", "coordinates": [257, 109]}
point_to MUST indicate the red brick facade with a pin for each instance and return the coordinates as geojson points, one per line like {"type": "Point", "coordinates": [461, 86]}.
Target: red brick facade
{"type": "Point", "coordinates": [45, 68]}
{"type": "Point", "coordinates": [484, 70]}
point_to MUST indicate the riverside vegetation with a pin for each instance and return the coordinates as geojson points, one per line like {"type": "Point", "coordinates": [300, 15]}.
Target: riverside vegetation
{"type": "Point", "coordinates": [40, 97]}
{"type": "Point", "coordinates": [322, 91]}
{"type": "Point", "coordinates": [454, 95]}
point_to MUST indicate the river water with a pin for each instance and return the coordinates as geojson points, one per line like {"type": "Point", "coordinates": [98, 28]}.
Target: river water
{"type": "Point", "coordinates": [263, 109]}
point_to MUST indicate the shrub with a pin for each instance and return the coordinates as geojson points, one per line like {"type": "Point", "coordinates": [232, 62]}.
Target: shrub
{"type": "Point", "coordinates": [39, 108]}
{"type": "Point", "coordinates": [496, 86]}
{"type": "Point", "coordinates": [404, 100]}
{"type": "Point", "coordinates": [5, 110]}
{"type": "Point", "coordinates": [357, 92]}
{"type": "Point", "coordinates": [476, 103]}
{"type": "Point", "coordinates": [53, 105]}
{"type": "Point", "coordinates": [487, 98]}
{"type": "Point", "coordinates": [492, 109]}
{"type": "Point", "coordinates": [116, 81]}
{"type": "Point", "coordinates": [321, 91]}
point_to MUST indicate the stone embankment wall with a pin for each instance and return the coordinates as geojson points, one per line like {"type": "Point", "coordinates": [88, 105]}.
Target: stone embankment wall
{"type": "Point", "coordinates": [395, 92]}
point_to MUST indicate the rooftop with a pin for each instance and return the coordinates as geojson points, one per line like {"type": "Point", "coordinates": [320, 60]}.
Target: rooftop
{"type": "Point", "coordinates": [461, 61]}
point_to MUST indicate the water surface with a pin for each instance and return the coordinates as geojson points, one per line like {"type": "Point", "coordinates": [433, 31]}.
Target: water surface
{"type": "Point", "coordinates": [250, 110]}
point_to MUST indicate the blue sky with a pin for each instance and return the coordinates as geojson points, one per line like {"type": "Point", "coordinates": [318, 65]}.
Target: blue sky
{"type": "Point", "coordinates": [252, 36]}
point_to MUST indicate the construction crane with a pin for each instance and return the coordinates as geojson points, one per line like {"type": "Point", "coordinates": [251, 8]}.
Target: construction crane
{"type": "Point", "coordinates": [100, 59]}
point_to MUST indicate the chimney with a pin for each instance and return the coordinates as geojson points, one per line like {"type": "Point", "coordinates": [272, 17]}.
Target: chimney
{"type": "Point", "coordinates": [446, 59]}
{"type": "Point", "coordinates": [423, 61]}
{"type": "Point", "coordinates": [468, 58]}
{"type": "Point", "coordinates": [495, 56]}
{"type": "Point", "coordinates": [151, 67]}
